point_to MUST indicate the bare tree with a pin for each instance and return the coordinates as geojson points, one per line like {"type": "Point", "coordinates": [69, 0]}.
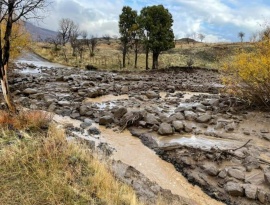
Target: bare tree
{"type": "Point", "coordinates": [56, 41]}
{"type": "Point", "coordinates": [241, 35]}
{"type": "Point", "coordinates": [12, 11]}
{"type": "Point", "coordinates": [93, 42]}
{"type": "Point", "coordinates": [66, 26]}
{"type": "Point", "coordinates": [74, 34]}
{"type": "Point", "coordinates": [201, 37]}
{"type": "Point", "coordinates": [107, 37]}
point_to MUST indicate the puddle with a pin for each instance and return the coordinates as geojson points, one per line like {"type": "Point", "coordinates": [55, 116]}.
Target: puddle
{"type": "Point", "coordinates": [131, 151]}
{"type": "Point", "coordinates": [106, 98]}
{"type": "Point", "coordinates": [188, 95]}
{"type": "Point", "coordinates": [204, 143]}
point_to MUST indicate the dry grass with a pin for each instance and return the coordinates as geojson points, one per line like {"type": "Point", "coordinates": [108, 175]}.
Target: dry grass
{"type": "Point", "coordinates": [207, 55]}
{"type": "Point", "coordinates": [44, 168]}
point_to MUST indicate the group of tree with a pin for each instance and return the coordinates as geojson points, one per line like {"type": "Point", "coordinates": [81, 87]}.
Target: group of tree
{"type": "Point", "coordinates": [152, 29]}
{"type": "Point", "coordinates": [79, 40]}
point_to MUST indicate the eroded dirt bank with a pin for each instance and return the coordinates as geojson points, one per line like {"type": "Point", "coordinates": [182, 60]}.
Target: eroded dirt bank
{"type": "Point", "coordinates": [208, 137]}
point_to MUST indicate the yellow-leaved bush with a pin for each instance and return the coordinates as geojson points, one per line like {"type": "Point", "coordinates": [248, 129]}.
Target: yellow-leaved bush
{"type": "Point", "coordinates": [20, 38]}
{"type": "Point", "coordinates": [247, 75]}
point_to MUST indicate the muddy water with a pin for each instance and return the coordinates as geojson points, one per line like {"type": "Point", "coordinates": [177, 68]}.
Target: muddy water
{"type": "Point", "coordinates": [131, 151]}
{"type": "Point", "coordinates": [106, 98]}
{"type": "Point", "coordinates": [35, 60]}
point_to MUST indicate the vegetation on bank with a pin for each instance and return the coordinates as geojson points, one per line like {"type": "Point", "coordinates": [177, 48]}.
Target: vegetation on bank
{"type": "Point", "coordinates": [39, 166]}
{"type": "Point", "coordinates": [247, 75]}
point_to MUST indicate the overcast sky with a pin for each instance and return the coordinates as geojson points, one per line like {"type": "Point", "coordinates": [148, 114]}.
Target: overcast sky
{"type": "Point", "coordinates": [218, 20]}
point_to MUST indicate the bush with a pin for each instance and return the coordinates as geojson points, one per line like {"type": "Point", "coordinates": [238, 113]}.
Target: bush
{"type": "Point", "coordinates": [248, 75]}
{"type": "Point", "coordinates": [90, 67]}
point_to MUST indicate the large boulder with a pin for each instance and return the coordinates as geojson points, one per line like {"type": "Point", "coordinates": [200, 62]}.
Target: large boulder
{"type": "Point", "coordinates": [165, 129]}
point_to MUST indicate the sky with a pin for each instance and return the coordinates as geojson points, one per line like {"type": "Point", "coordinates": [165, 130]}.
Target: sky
{"type": "Point", "coordinates": [218, 20]}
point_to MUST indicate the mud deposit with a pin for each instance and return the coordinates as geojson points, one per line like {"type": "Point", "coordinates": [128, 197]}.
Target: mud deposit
{"type": "Point", "coordinates": [210, 138]}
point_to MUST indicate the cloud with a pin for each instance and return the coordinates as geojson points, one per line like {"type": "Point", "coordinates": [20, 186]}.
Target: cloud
{"type": "Point", "coordinates": [219, 20]}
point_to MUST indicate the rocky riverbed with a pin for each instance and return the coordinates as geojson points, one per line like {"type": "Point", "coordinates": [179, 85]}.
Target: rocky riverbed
{"type": "Point", "coordinates": [179, 113]}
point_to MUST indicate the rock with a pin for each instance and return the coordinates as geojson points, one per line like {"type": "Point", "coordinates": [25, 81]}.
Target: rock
{"type": "Point", "coordinates": [165, 129]}
{"type": "Point", "coordinates": [124, 89]}
{"type": "Point", "coordinates": [190, 115]}
{"type": "Point", "coordinates": [234, 189]}
{"type": "Point", "coordinates": [85, 124]}
{"type": "Point", "coordinates": [222, 174]}
{"type": "Point", "coordinates": [83, 110]}
{"type": "Point", "coordinates": [213, 102]}
{"type": "Point", "coordinates": [230, 127]}
{"type": "Point", "coordinates": [179, 116]}
{"type": "Point", "coordinates": [64, 103]}
{"type": "Point", "coordinates": [152, 94]}
{"type": "Point", "coordinates": [261, 196]}
{"type": "Point", "coordinates": [211, 170]}
{"type": "Point", "coordinates": [30, 91]}
{"type": "Point", "coordinates": [204, 118]}
{"type": "Point", "coordinates": [92, 93]}
{"type": "Point", "coordinates": [236, 173]}
{"type": "Point", "coordinates": [87, 120]}
{"type": "Point", "coordinates": [93, 131]}
{"type": "Point", "coordinates": [73, 115]}
{"type": "Point", "coordinates": [151, 119]}
{"type": "Point", "coordinates": [178, 125]}
{"type": "Point", "coordinates": [105, 120]}
{"type": "Point", "coordinates": [250, 191]}
{"type": "Point", "coordinates": [267, 176]}
{"type": "Point", "coordinates": [120, 112]}
{"type": "Point", "coordinates": [188, 127]}
{"type": "Point", "coordinates": [251, 162]}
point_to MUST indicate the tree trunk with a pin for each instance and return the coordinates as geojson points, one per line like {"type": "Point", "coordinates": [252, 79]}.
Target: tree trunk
{"type": "Point", "coordinates": [124, 56]}
{"type": "Point", "coordinates": [136, 54]}
{"type": "Point", "coordinates": [146, 60]}
{"type": "Point", "coordinates": [155, 60]}
{"type": "Point", "coordinates": [5, 90]}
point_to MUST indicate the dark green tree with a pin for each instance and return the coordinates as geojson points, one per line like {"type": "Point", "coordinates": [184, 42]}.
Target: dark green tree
{"type": "Point", "coordinates": [127, 22]}
{"type": "Point", "coordinates": [156, 21]}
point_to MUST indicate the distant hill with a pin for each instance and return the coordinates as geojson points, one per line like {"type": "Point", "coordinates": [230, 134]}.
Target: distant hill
{"type": "Point", "coordinates": [185, 40]}
{"type": "Point", "coordinates": [38, 33]}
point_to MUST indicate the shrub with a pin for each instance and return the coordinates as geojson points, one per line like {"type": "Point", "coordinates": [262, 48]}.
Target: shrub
{"type": "Point", "coordinates": [90, 67]}
{"type": "Point", "coordinates": [248, 75]}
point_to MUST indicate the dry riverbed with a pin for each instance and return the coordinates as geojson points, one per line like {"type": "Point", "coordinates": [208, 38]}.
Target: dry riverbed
{"type": "Point", "coordinates": [210, 138]}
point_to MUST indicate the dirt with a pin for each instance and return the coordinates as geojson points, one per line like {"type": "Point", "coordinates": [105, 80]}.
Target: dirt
{"type": "Point", "coordinates": [211, 138]}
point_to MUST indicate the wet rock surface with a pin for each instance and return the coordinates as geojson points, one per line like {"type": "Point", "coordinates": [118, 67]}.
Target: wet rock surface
{"type": "Point", "coordinates": [200, 133]}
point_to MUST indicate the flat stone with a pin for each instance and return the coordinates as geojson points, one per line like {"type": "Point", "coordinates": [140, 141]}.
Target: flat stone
{"type": "Point", "coordinates": [152, 94]}
{"type": "Point", "coordinates": [234, 189]}
{"type": "Point", "coordinates": [151, 119]}
{"type": "Point", "coordinates": [204, 118]}
{"type": "Point", "coordinates": [236, 173]}
{"type": "Point", "coordinates": [222, 174]}
{"type": "Point", "coordinates": [64, 103]}
{"type": "Point", "coordinates": [255, 178]}
{"type": "Point", "coordinates": [30, 91]}
{"type": "Point", "coordinates": [85, 125]}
